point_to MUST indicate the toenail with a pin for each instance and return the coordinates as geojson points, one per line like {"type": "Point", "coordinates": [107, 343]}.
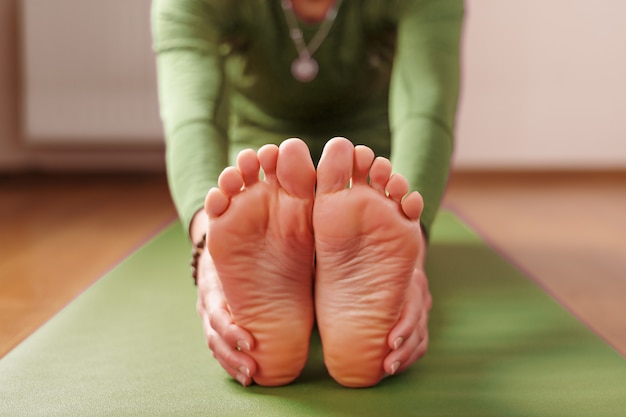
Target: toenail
{"type": "Point", "coordinates": [244, 370]}
{"type": "Point", "coordinates": [397, 343]}
{"type": "Point", "coordinates": [394, 367]}
{"type": "Point", "coordinates": [243, 345]}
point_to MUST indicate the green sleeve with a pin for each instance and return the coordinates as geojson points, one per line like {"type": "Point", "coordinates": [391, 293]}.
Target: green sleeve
{"type": "Point", "coordinates": [191, 95]}
{"type": "Point", "coordinates": [423, 97]}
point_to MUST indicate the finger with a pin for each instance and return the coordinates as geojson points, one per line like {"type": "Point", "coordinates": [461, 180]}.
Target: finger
{"type": "Point", "coordinates": [415, 356]}
{"type": "Point", "coordinates": [396, 359]}
{"type": "Point", "coordinates": [400, 360]}
{"type": "Point", "coordinates": [414, 348]}
{"type": "Point", "coordinates": [408, 321]}
{"type": "Point", "coordinates": [230, 358]}
{"type": "Point", "coordinates": [422, 324]}
{"type": "Point", "coordinates": [205, 321]}
{"type": "Point", "coordinates": [221, 321]}
{"type": "Point", "coordinates": [422, 347]}
{"type": "Point", "coordinates": [224, 352]}
{"type": "Point", "coordinates": [235, 336]}
{"type": "Point", "coordinates": [418, 300]}
{"type": "Point", "coordinates": [422, 281]}
{"type": "Point", "coordinates": [243, 379]}
{"type": "Point", "coordinates": [200, 308]}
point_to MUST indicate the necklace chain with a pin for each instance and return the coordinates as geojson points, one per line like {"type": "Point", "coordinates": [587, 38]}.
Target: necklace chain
{"type": "Point", "coordinates": [305, 68]}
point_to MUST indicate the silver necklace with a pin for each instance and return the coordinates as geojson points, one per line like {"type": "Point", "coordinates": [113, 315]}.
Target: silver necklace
{"type": "Point", "coordinates": [305, 68]}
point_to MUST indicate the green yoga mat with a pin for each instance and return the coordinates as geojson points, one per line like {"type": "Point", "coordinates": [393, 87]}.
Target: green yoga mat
{"type": "Point", "coordinates": [132, 345]}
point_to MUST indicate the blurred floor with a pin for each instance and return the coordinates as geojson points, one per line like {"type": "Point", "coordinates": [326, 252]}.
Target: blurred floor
{"type": "Point", "coordinates": [60, 233]}
{"type": "Point", "coordinates": [564, 230]}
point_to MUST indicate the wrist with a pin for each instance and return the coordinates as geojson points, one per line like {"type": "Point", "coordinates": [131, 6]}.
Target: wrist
{"type": "Point", "coordinates": [196, 252]}
{"type": "Point", "coordinates": [198, 227]}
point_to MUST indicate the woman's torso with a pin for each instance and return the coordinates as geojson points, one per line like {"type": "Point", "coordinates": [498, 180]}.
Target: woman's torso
{"type": "Point", "coordinates": [349, 95]}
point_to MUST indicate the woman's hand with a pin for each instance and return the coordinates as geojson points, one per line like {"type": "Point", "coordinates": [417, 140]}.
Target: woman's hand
{"type": "Point", "coordinates": [228, 342]}
{"type": "Point", "coordinates": [409, 338]}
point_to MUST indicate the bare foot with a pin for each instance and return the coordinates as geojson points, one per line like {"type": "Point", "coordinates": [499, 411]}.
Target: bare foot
{"type": "Point", "coordinates": [261, 242]}
{"type": "Point", "coordinates": [367, 241]}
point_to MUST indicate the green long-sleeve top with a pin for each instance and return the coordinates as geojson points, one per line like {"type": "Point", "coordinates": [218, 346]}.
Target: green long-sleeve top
{"type": "Point", "coordinates": [388, 78]}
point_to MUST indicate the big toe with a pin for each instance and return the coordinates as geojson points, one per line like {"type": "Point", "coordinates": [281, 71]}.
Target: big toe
{"type": "Point", "coordinates": [294, 169]}
{"type": "Point", "coordinates": [335, 167]}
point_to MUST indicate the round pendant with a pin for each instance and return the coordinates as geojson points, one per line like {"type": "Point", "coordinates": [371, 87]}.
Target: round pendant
{"type": "Point", "coordinates": [304, 69]}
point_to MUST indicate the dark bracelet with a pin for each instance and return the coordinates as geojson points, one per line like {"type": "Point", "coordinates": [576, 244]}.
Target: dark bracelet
{"type": "Point", "coordinates": [196, 251]}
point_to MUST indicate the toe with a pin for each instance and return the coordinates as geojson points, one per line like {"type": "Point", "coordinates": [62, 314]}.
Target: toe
{"type": "Point", "coordinates": [380, 173]}
{"type": "Point", "coordinates": [216, 202]}
{"type": "Point", "coordinates": [268, 157]}
{"type": "Point", "coordinates": [248, 165]}
{"type": "Point", "coordinates": [295, 170]}
{"type": "Point", "coordinates": [412, 205]}
{"type": "Point", "coordinates": [363, 158]}
{"type": "Point", "coordinates": [335, 167]}
{"type": "Point", "coordinates": [230, 181]}
{"type": "Point", "coordinates": [397, 187]}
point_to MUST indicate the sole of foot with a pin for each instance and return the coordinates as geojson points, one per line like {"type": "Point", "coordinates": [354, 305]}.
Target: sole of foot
{"type": "Point", "coordinates": [367, 241]}
{"type": "Point", "coordinates": [261, 242]}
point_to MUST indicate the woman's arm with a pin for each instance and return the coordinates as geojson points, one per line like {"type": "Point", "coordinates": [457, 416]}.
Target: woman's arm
{"type": "Point", "coordinates": [423, 96]}
{"type": "Point", "coordinates": [192, 99]}
{"type": "Point", "coordinates": [423, 102]}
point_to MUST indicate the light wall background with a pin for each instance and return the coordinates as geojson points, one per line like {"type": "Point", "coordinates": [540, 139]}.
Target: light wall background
{"type": "Point", "coordinates": [545, 84]}
{"type": "Point", "coordinates": [543, 88]}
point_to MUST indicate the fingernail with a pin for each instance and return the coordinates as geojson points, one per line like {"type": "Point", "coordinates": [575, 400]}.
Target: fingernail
{"type": "Point", "coordinates": [244, 371]}
{"type": "Point", "coordinates": [242, 379]}
{"type": "Point", "coordinates": [394, 367]}
{"type": "Point", "coordinates": [397, 343]}
{"type": "Point", "coordinates": [242, 344]}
